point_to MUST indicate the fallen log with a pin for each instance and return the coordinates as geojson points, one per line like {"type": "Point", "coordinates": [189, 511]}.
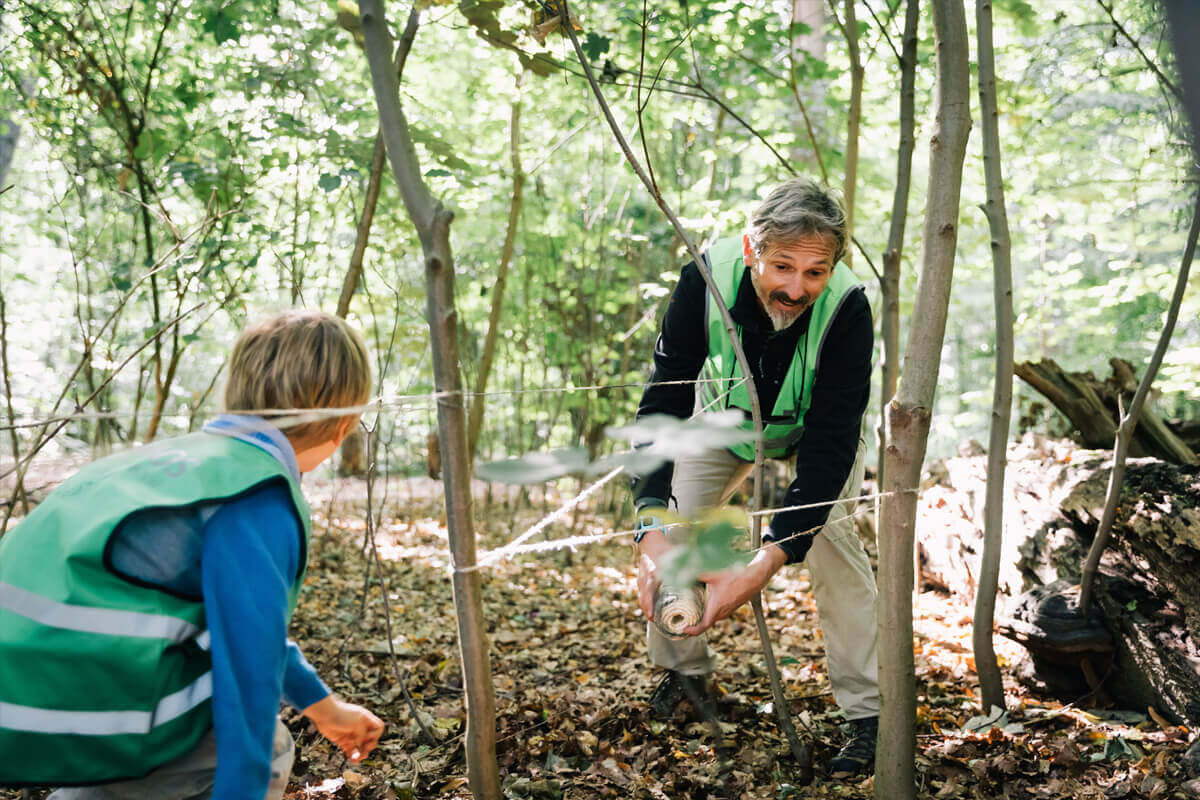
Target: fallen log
{"type": "Point", "coordinates": [1091, 406]}
{"type": "Point", "coordinates": [1149, 587]}
{"type": "Point", "coordinates": [1188, 430]}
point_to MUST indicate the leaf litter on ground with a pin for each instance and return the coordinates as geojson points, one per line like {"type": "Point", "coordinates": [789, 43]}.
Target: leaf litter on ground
{"type": "Point", "coordinates": [571, 679]}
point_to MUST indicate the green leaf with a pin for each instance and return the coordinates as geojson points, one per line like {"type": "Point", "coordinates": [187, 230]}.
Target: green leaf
{"type": "Point", "coordinates": [535, 467]}
{"type": "Point", "coordinates": [437, 147]}
{"type": "Point", "coordinates": [674, 438]}
{"type": "Point", "coordinates": [149, 142]}
{"type": "Point", "coordinates": [437, 172]}
{"type": "Point", "coordinates": [708, 549]}
{"type": "Point", "coordinates": [222, 26]}
{"type": "Point", "coordinates": [186, 93]}
{"type": "Point", "coordinates": [538, 66]}
{"type": "Point", "coordinates": [997, 718]}
{"type": "Point", "coordinates": [329, 182]}
{"type": "Point", "coordinates": [595, 46]}
{"type": "Point", "coordinates": [1118, 749]}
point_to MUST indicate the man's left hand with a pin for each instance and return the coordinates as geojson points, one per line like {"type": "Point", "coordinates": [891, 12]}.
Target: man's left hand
{"type": "Point", "coordinates": [729, 589]}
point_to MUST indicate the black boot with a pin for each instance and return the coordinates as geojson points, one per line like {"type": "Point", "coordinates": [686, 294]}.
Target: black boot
{"type": "Point", "coordinates": [675, 688]}
{"type": "Point", "coordinates": [857, 755]}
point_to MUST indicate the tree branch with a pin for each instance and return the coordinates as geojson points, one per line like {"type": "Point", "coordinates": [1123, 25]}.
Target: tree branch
{"type": "Point", "coordinates": [884, 30]}
{"type": "Point", "coordinates": [1163, 79]}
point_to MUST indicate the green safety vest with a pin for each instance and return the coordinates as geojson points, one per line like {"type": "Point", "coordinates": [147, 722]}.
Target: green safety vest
{"type": "Point", "coordinates": [103, 678]}
{"type": "Point", "coordinates": [721, 378]}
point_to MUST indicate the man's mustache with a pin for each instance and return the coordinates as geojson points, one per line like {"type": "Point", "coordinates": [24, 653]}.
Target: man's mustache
{"type": "Point", "coordinates": [783, 299]}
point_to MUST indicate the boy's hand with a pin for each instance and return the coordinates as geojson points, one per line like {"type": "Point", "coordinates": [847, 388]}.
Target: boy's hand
{"type": "Point", "coordinates": [352, 728]}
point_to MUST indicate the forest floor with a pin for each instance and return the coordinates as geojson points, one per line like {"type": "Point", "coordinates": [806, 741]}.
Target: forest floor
{"type": "Point", "coordinates": [572, 678]}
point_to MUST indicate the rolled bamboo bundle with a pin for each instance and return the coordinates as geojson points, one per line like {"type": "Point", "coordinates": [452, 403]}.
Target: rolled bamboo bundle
{"type": "Point", "coordinates": [676, 608]}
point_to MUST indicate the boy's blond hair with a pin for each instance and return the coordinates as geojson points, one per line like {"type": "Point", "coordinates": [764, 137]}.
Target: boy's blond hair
{"type": "Point", "coordinates": [299, 360]}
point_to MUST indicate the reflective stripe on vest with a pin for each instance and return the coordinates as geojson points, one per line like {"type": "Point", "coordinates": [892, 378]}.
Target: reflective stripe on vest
{"type": "Point", "coordinates": [103, 677]}
{"type": "Point", "coordinates": [723, 385]}
{"type": "Point", "coordinates": [106, 723]}
{"type": "Point", "coordinates": [109, 621]}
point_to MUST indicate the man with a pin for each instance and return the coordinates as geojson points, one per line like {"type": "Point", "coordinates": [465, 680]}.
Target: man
{"type": "Point", "coordinates": [806, 328]}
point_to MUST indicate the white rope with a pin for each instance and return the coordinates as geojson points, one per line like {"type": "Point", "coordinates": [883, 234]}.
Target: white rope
{"type": "Point", "coordinates": [515, 544]}
{"type": "Point", "coordinates": [508, 552]}
{"type": "Point", "coordinates": [403, 402]}
{"type": "Point", "coordinates": [546, 521]}
{"type": "Point", "coordinates": [823, 503]}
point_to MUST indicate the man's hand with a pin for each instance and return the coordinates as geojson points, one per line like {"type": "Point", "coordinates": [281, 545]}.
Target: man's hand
{"type": "Point", "coordinates": [729, 589]}
{"type": "Point", "coordinates": [653, 545]}
{"type": "Point", "coordinates": [352, 728]}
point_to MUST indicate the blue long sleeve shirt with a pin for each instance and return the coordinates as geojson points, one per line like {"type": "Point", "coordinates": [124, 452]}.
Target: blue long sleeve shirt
{"type": "Point", "coordinates": [241, 558]}
{"type": "Point", "coordinates": [250, 556]}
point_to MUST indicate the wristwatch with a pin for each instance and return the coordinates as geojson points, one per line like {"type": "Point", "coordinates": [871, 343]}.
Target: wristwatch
{"type": "Point", "coordinates": [645, 524]}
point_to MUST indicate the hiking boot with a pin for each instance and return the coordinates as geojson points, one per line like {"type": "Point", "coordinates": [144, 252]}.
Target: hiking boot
{"type": "Point", "coordinates": [674, 689]}
{"type": "Point", "coordinates": [857, 755]}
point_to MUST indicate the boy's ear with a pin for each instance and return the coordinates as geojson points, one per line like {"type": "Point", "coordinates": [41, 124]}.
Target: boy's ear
{"type": "Point", "coordinates": [344, 429]}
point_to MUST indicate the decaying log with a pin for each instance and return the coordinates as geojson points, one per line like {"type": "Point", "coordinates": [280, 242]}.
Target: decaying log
{"type": "Point", "coordinates": [1149, 588]}
{"type": "Point", "coordinates": [1188, 430]}
{"type": "Point", "coordinates": [1091, 406]}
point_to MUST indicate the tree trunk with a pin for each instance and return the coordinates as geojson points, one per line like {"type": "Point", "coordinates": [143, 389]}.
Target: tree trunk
{"type": "Point", "coordinates": [908, 415]}
{"type": "Point", "coordinates": [1129, 420]}
{"type": "Point", "coordinates": [1183, 22]}
{"type": "Point", "coordinates": [353, 452]}
{"type": "Point", "coordinates": [890, 285]}
{"type": "Point", "coordinates": [475, 420]}
{"type": "Point", "coordinates": [9, 133]}
{"type": "Point", "coordinates": [991, 688]}
{"type": "Point", "coordinates": [432, 221]}
{"type": "Point", "coordinates": [363, 232]}
{"type": "Point", "coordinates": [853, 120]}
{"type": "Point", "coordinates": [808, 41]}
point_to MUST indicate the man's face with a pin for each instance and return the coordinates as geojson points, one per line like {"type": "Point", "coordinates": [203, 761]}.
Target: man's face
{"type": "Point", "coordinates": [789, 278]}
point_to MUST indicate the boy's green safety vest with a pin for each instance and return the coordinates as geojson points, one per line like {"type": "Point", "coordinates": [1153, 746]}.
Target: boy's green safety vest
{"type": "Point", "coordinates": [722, 385]}
{"type": "Point", "coordinates": [102, 677]}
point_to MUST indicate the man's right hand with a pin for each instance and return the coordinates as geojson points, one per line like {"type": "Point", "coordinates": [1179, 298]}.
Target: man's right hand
{"type": "Point", "coordinates": [653, 544]}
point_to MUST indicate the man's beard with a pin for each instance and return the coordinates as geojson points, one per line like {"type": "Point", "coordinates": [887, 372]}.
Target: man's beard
{"type": "Point", "coordinates": [775, 307]}
{"type": "Point", "coordinates": [782, 315]}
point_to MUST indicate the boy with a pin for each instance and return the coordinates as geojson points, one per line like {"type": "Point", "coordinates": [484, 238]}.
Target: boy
{"type": "Point", "coordinates": [144, 604]}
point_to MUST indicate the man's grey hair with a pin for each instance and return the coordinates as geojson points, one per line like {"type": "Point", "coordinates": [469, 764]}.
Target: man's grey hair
{"type": "Point", "coordinates": [794, 210]}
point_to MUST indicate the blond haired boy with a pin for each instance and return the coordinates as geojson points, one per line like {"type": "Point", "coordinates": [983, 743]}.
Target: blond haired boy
{"type": "Point", "coordinates": [144, 604]}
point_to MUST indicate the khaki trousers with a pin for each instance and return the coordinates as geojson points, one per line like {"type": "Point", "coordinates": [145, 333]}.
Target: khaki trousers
{"type": "Point", "coordinates": [840, 572]}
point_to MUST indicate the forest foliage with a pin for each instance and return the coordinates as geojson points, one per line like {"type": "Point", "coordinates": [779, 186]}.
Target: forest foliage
{"type": "Point", "coordinates": [181, 166]}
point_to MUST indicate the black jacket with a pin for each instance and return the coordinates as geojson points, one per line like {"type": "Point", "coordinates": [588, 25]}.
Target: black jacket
{"type": "Point", "coordinates": [825, 454]}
